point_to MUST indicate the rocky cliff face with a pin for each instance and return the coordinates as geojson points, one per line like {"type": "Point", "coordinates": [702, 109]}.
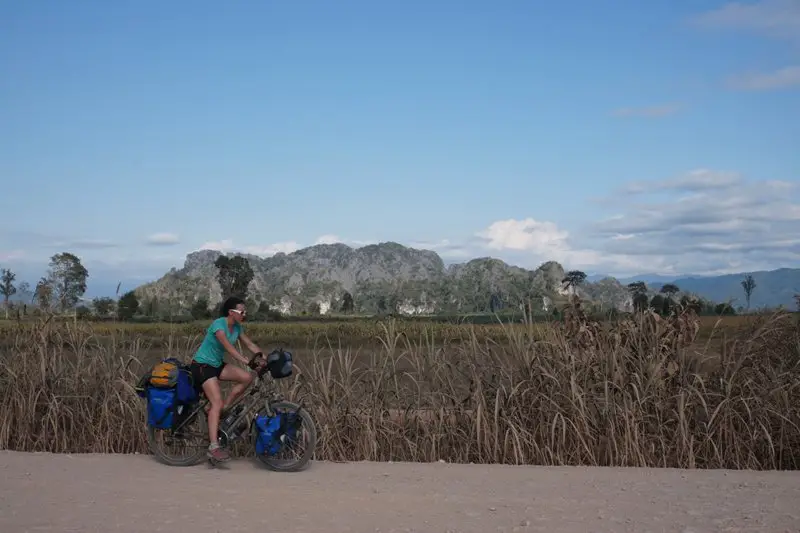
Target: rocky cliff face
{"type": "Point", "coordinates": [386, 277]}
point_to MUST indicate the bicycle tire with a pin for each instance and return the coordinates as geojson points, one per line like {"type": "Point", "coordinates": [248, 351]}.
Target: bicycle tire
{"type": "Point", "coordinates": [191, 460]}
{"type": "Point", "coordinates": [308, 425]}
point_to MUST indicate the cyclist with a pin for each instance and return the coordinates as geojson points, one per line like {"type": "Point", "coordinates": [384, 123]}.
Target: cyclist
{"type": "Point", "coordinates": [208, 368]}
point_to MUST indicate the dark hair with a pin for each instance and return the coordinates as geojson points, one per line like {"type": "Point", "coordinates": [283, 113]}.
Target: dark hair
{"type": "Point", "coordinates": [229, 304]}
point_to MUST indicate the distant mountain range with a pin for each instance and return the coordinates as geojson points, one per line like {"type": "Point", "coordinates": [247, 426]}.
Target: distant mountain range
{"type": "Point", "coordinates": [647, 278]}
{"type": "Point", "coordinates": [773, 287]}
{"type": "Point", "coordinates": [392, 276]}
{"type": "Point", "coordinates": [386, 277]}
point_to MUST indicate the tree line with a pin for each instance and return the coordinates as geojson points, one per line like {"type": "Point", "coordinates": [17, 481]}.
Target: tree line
{"type": "Point", "coordinates": [61, 289]}
{"type": "Point", "coordinates": [663, 301]}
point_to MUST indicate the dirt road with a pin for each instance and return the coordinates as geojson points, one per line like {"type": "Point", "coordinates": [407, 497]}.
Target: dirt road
{"type": "Point", "coordinates": [134, 494]}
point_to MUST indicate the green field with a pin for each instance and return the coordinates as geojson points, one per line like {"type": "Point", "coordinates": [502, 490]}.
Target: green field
{"type": "Point", "coordinates": [307, 333]}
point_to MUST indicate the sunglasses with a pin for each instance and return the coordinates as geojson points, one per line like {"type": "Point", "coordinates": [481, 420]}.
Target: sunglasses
{"type": "Point", "coordinates": [243, 313]}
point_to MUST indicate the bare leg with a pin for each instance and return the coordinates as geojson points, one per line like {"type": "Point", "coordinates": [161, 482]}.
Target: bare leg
{"type": "Point", "coordinates": [214, 395]}
{"type": "Point", "coordinates": [242, 378]}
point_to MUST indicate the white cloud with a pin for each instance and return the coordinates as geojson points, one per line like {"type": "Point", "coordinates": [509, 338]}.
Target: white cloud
{"type": "Point", "coordinates": [272, 249]}
{"type": "Point", "coordinates": [12, 255]}
{"type": "Point", "coordinates": [738, 225]}
{"type": "Point", "coordinates": [785, 78]}
{"type": "Point", "coordinates": [447, 250]}
{"type": "Point", "coordinates": [704, 221]}
{"type": "Point", "coordinates": [779, 185]}
{"type": "Point", "coordinates": [228, 246]}
{"type": "Point", "coordinates": [532, 242]}
{"type": "Point", "coordinates": [773, 19]}
{"type": "Point", "coordinates": [328, 239]}
{"type": "Point", "coordinates": [224, 245]}
{"type": "Point", "coordinates": [710, 222]}
{"type": "Point", "coordinates": [779, 19]}
{"type": "Point", "coordinates": [163, 239]}
{"type": "Point", "coordinates": [83, 244]}
{"type": "Point", "coordinates": [528, 234]}
{"type": "Point", "coordinates": [696, 180]}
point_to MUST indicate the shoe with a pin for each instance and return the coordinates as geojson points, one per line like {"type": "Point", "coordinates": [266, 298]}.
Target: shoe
{"type": "Point", "coordinates": [218, 453]}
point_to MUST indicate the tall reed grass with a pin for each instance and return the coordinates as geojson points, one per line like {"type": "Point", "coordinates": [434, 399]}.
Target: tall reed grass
{"type": "Point", "coordinates": [644, 392]}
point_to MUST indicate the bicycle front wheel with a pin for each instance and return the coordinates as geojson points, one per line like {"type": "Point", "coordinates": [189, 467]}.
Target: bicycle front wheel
{"type": "Point", "coordinates": [295, 453]}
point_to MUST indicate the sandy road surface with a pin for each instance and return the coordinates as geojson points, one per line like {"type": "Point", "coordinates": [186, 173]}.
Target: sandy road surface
{"type": "Point", "coordinates": [108, 493]}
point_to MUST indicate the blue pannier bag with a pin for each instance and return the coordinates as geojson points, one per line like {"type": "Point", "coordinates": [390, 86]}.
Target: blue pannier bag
{"type": "Point", "coordinates": [186, 393]}
{"type": "Point", "coordinates": [271, 429]}
{"type": "Point", "coordinates": [268, 440]}
{"type": "Point", "coordinates": [291, 423]}
{"type": "Point", "coordinates": [169, 393]}
{"type": "Point", "coordinates": [161, 407]}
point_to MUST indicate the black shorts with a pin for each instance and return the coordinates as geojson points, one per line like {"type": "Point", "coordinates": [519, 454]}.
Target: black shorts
{"type": "Point", "coordinates": [202, 372]}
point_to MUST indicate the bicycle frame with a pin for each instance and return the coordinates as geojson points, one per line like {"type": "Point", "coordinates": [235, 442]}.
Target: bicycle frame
{"type": "Point", "coordinates": [258, 392]}
{"type": "Point", "coordinates": [251, 399]}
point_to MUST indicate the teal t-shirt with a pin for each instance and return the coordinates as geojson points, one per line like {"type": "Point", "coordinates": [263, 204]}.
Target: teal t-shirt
{"type": "Point", "coordinates": [211, 350]}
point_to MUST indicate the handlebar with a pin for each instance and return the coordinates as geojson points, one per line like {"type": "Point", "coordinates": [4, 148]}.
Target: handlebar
{"type": "Point", "coordinates": [252, 364]}
{"type": "Point", "coordinates": [278, 363]}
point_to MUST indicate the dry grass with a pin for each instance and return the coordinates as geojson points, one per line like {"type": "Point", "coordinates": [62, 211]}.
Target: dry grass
{"type": "Point", "coordinates": [353, 333]}
{"type": "Point", "coordinates": [640, 393]}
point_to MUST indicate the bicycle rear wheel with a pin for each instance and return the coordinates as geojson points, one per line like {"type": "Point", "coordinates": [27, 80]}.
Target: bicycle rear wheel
{"type": "Point", "coordinates": [307, 433]}
{"type": "Point", "coordinates": [191, 438]}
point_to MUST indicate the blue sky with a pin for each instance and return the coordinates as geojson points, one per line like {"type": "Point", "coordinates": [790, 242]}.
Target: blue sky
{"type": "Point", "coordinates": [656, 136]}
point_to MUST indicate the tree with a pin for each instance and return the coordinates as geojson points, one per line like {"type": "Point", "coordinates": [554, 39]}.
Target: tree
{"type": "Point", "coordinates": [659, 304]}
{"type": "Point", "coordinates": [670, 289]}
{"type": "Point", "coordinates": [150, 307]}
{"type": "Point", "coordinates": [262, 313]}
{"type": "Point", "coordinates": [127, 306]}
{"type": "Point", "coordinates": [26, 295]}
{"type": "Point", "coordinates": [638, 290]}
{"type": "Point", "coordinates": [67, 278]}
{"type": "Point", "coordinates": [103, 306]}
{"type": "Point", "coordinates": [347, 302]}
{"type": "Point", "coordinates": [495, 302]}
{"type": "Point", "coordinates": [24, 291]}
{"type": "Point", "coordinates": [724, 309]}
{"type": "Point", "coordinates": [199, 309]}
{"type": "Point", "coordinates": [7, 288]}
{"type": "Point", "coordinates": [748, 284]}
{"type": "Point", "coordinates": [691, 302]}
{"type": "Point", "coordinates": [573, 280]}
{"type": "Point", "coordinates": [637, 287]}
{"type": "Point", "coordinates": [234, 274]}
{"type": "Point", "coordinates": [43, 294]}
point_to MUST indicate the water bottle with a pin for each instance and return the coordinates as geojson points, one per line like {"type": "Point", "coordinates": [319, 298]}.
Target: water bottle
{"type": "Point", "coordinates": [232, 416]}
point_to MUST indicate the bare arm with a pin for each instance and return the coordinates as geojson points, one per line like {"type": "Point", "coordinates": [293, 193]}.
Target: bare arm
{"type": "Point", "coordinates": [220, 335]}
{"type": "Point", "coordinates": [253, 347]}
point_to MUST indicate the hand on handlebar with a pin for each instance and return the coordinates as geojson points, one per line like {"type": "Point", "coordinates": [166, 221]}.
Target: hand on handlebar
{"type": "Point", "coordinates": [257, 361]}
